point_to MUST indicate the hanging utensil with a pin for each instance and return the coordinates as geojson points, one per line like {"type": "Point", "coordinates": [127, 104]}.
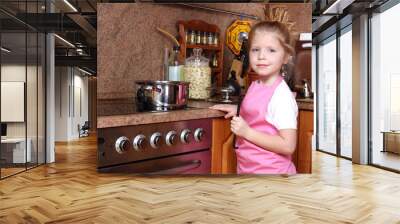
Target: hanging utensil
{"type": "Point", "coordinates": [237, 114]}
{"type": "Point", "coordinates": [170, 36]}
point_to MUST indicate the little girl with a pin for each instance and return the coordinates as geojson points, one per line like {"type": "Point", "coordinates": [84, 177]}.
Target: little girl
{"type": "Point", "coordinates": [267, 125]}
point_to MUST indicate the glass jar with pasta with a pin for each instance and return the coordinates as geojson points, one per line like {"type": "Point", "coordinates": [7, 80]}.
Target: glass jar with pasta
{"type": "Point", "coordinates": [198, 73]}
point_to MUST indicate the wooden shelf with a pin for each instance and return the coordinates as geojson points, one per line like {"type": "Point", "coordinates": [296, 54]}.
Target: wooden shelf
{"type": "Point", "coordinates": [218, 50]}
{"type": "Point", "coordinates": [205, 47]}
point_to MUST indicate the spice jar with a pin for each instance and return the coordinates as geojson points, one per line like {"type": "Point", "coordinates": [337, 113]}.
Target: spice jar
{"type": "Point", "coordinates": [204, 38]}
{"type": "Point", "coordinates": [192, 37]}
{"type": "Point", "coordinates": [187, 33]}
{"type": "Point", "coordinates": [210, 38]}
{"type": "Point", "coordinates": [198, 37]}
{"type": "Point", "coordinates": [216, 39]}
{"type": "Point", "coordinates": [198, 73]}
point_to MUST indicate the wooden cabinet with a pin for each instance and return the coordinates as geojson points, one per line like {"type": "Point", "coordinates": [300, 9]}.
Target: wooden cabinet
{"type": "Point", "coordinates": [302, 157]}
{"type": "Point", "coordinates": [224, 157]}
{"type": "Point", "coordinates": [209, 50]}
{"type": "Point", "coordinates": [222, 153]}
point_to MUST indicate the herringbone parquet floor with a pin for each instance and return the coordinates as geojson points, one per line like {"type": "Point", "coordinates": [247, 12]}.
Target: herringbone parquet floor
{"type": "Point", "coordinates": [71, 191]}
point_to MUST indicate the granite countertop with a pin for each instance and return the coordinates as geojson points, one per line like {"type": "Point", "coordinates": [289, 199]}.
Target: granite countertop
{"type": "Point", "coordinates": [195, 110]}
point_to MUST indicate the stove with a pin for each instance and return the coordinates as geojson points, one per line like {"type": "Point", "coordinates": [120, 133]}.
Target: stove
{"type": "Point", "coordinates": [180, 147]}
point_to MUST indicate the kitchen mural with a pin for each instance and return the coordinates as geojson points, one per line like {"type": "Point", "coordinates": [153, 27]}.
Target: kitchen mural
{"type": "Point", "coordinates": [162, 66]}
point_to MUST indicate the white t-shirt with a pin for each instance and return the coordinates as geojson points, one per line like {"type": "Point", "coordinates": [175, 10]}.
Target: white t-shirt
{"type": "Point", "coordinates": [282, 109]}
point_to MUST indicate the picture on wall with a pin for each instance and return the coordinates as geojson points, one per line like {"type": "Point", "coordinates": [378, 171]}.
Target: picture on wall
{"type": "Point", "coordinates": [174, 91]}
{"type": "Point", "coordinates": [12, 101]}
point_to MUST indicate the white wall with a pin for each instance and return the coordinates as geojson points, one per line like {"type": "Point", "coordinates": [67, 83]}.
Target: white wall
{"type": "Point", "coordinates": [71, 102]}
{"type": "Point", "coordinates": [33, 126]}
{"type": "Point", "coordinates": [13, 72]}
{"type": "Point", "coordinates": [61, 103]}
{"type": "Point", "coordinates": [80, 112]}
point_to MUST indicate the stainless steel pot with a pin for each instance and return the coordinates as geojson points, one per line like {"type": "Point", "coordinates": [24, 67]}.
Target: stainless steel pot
{"type": "Point", "coordinates": [161, 95]}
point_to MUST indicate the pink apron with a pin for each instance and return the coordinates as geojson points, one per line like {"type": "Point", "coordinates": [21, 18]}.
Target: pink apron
{"type": "Point", "coordinates": [250, 157]}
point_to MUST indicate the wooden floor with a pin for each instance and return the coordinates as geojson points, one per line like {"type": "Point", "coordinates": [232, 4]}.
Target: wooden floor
{"type": "Point", "coordinates": [386, 159]}
{"type": "Point", "coordinates": [10, 171]}
{"type": "Point", "coordinates": [71, 191]}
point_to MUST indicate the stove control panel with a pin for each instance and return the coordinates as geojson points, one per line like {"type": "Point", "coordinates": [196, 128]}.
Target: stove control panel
{"type": "Point", "coordinates": [141, 142]}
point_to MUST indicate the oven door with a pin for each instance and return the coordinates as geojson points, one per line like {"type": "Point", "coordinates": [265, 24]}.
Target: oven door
{"type": "Point", "coordinates": [189, 163]}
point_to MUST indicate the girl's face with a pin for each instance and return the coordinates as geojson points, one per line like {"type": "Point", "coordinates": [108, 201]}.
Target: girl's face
{"type": "Point", "coordinates": [267, 55]}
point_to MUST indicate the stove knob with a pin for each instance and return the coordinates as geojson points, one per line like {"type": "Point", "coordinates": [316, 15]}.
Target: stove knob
{"type": "Point", "coordinates": [185, 135]}
{"type": "Point", "coordinates": [170, 138]}
{"type": "Point", "coordinates": [122, 144]}
{"type": "Point", "coordinates": [198, 134]}
{"type": "Point", "coordinates": [155, 140]}
{"type": "Point", "coordinates": [138, 142]}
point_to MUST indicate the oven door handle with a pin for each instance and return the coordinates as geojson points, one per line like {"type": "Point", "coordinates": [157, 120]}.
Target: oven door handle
{"type": "Point", "coordinates": [179, 168]}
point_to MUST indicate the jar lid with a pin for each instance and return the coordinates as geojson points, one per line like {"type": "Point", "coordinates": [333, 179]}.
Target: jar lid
{"type": "Point", "coordinates": [196, 59]}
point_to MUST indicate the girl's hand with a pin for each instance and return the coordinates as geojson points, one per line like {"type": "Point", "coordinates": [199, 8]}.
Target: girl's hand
{"type": "Point", "coordinates": [228, 108]}
{"type": "Point", "coordinates": [239, 127]}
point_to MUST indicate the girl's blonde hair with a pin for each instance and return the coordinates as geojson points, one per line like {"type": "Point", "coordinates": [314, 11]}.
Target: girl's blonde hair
{"type": "Point", "coordinates": [276, 27]}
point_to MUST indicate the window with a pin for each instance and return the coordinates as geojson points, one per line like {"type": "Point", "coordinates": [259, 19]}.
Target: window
{"type": "Point", "coordinates": [327, 95]}
{"type": "Point", "coordinates": [22, 101]}
{"type": "Point", "coordinates": [346, 74]}
{"type": "Point", "coordinates": [385, 86]}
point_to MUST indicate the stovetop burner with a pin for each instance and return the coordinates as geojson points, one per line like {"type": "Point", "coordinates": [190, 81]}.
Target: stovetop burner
{"type": "Point", "coordinates": [223, 99]}
{"type": "Point", "coordinates": [112, 107]}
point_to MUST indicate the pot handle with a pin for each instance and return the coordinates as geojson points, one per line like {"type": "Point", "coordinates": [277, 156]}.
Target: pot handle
{"type": "Point", "coordinates": [181, 94]}
{"type": "Point", "coordinates": [141, 100]}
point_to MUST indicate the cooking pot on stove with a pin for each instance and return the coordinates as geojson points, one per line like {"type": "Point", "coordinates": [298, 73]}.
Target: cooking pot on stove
{"type": "Point", "coordinates": [161, 95]}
